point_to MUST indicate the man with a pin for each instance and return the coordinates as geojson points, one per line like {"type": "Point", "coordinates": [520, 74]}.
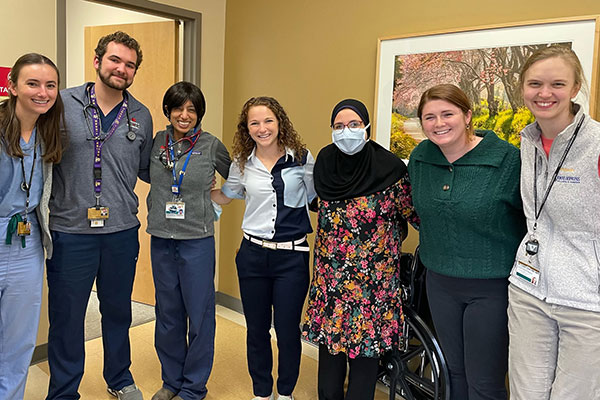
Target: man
{"type": "Point", "coordinates": [93, 219]}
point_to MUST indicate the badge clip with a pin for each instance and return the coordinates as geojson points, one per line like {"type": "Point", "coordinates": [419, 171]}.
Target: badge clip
{"type": "Point", "coordinates": [532, 246]}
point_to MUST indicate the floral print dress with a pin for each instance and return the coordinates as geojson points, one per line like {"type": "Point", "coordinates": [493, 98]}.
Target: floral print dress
{"type": "Point", "coordinates": [354, 299]}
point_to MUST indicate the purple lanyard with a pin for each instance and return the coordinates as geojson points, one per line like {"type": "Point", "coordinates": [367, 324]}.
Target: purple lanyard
{"type": "Point", "coordinates": [98, 143]}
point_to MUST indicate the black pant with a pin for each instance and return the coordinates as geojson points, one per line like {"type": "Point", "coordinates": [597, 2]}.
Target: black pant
{"type": "Point", "coordinates": [472, 325]}
{"type": "Point", "coordinates": [273, 285]}
{"type": "Point", "coordinates": [332, 373]}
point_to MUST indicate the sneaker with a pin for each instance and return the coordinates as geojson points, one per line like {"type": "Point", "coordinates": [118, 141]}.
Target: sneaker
{"type": "Point", "coordinates": [290, 397]}
{"type": "Point", "coordinates": [130, 392]}
{"type": "Point", "coordinates": [271, 397]}
{"type": "Point", "coordinates": [163, 394]}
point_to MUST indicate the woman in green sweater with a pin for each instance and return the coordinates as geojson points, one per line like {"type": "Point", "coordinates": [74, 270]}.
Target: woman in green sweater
{"type": "Point", "coordinates": [466, 192]}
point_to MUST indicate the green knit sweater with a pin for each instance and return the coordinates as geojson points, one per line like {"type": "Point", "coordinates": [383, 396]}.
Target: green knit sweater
{"type": "Point", "coordinates": [471, 213]}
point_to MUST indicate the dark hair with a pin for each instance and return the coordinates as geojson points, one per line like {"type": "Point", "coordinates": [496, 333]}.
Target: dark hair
{"type": "Point", "coordinates": [358, 107]}
{"type": "Point", "coordinates": [243, 144]}
{"type": "Point", "coordinates": [48, 124]}
{"type": "Point", "coordinates": [452, 94]}
{"type": "Point", "coordinates": [179, 93]}
{"type": "Point", "coordinates": [121, 38]}
{"type": "Point", "coordinates": [560, 51]}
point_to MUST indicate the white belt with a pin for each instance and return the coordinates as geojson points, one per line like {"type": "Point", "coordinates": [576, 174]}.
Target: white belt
{"type": "Point", "coordinates": [291, 245]}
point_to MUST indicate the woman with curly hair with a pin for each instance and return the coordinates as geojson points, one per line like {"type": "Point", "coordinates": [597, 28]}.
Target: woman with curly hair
{"type": "Point", "coordinates": [273, 172]}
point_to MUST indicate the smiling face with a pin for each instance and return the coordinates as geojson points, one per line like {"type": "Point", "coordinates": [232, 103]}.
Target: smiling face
{"type": "Point", "coordinates": [36, 89]}
{"type": "Point", "coordinates": [445, 125]}
{"type": "Point", "coordinates": [548, 88]}
{"type": "Point", "coordinates": [117, 67]}
{"type": "Point", "coordinates": [183, 118]}
{"type": "Point", "coordinates": [263, 126]}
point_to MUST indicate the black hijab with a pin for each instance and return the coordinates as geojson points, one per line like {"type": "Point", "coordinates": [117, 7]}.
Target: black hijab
{"type": "Point", "coordinates": [339, 176]}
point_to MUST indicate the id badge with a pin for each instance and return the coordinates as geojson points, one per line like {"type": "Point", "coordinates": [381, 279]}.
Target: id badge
{"type": "Point", "coordinates": [24, 228]}
{"type": "Point", "coordinates": [96, 216]}
{"type": "Point", "coordinates": [527, 273]}
{"type": "Point", "coordinates": [97, 213]}
{"type": "Point", "coordinates": [175, 210]}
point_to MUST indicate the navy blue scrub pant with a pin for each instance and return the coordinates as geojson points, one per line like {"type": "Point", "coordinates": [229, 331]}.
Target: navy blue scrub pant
{"type": "Point", "coordinates": [77, 261]}
{"type": "Point", "coordinates": [471, 321]}
{"type": "Point", "coordinates": [273, 286]}
{"type": "Point", "coordinates": [184, 273]}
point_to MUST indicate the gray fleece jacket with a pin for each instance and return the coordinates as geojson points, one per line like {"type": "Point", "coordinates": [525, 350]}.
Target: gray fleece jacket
{"type": "Point", "coordinates": [568, 229]}
{"type": "Point", "coordinates": [208, 155]}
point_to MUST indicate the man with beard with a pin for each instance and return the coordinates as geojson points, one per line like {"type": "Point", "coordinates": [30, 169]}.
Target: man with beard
{"type": "Point", "coordinates": [93, 219]}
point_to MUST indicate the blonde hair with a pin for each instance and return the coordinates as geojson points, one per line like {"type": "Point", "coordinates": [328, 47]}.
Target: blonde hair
{"type": "Point", "coordinates": [560, 51]}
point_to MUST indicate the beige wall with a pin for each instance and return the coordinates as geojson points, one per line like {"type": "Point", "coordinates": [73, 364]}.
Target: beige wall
{"type": "Point", "coordinates": [311, 54]}
{"type": "Point", "coordinates": [23, 31]}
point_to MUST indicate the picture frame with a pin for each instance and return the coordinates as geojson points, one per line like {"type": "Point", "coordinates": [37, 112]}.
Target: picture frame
{"type": "Point", "coordinates": [409, 64]}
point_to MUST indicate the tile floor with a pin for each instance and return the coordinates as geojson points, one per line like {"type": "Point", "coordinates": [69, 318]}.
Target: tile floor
{"type": "Point", "coordinates": [229, 379]}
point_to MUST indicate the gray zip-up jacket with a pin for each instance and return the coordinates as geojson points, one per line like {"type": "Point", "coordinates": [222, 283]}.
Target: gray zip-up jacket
{"type": "Point", "coordinates": [568, 228]}
{"type": "Point", "coordinates": [208, 155]}
{"type": "Point", "coordinates": [123, 160]}
{"type": "Point", "coordinates": [42, 210]}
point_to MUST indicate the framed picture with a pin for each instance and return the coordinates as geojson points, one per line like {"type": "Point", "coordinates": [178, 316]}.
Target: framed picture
{"type": "Point", "coordinates": [485, 63]}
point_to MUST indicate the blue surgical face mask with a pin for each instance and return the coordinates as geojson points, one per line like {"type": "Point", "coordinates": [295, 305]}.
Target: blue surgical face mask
{"type": "Point", "coordinates": [350, 142]}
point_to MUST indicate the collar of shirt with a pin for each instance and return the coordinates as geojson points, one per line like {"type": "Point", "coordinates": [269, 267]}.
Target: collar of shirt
{"type": "Point", "coordinates": [288, 152]}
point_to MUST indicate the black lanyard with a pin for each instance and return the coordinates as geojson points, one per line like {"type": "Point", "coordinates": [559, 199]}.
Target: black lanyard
{"type": "Point", "coordinates": [26, 186]}
{"type": "Point", "coordinates": [560, 163]}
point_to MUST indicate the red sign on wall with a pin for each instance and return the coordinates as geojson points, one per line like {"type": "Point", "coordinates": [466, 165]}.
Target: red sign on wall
{"type": "Point", "coordinates": [4, 71]}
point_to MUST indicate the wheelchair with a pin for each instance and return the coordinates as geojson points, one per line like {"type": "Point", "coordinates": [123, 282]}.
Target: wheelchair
{"type": "Point", "coordinates": [418, 370]}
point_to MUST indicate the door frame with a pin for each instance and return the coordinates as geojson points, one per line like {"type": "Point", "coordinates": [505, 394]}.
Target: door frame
{"type": "Point", "coordinates": [192, 32]}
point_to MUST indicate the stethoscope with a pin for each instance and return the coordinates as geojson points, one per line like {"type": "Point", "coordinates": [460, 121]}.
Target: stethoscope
{"type": "Point", "coordinates": [130, 133]}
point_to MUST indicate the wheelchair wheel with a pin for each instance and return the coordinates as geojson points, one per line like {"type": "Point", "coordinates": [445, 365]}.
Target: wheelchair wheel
{"type": "Point", "coordinates": [419, 372]}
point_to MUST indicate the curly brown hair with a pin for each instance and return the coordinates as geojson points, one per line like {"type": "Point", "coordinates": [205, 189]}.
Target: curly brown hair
{"type": "Point", "coordinates": [243, 144]}
{"type": "Point", "coordinates": [120, 38]}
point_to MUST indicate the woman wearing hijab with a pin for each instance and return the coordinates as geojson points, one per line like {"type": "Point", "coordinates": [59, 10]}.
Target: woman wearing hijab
{"type": "Point", "coordinates": [355, 312]}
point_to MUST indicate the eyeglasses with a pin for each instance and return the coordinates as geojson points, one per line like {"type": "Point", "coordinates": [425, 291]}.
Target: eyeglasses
{"type": "Point", "coordinates": [354, 126]}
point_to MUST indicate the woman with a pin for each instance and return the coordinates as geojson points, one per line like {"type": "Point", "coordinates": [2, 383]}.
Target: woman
{"type": "Point", "coordinates": [180, 219]}
{"type": "Point", "coordinates": [29, 145]}
{"type": "Point", "coordinates": [272, 171]}
{"type": "Point", "coordinates": [354, 312]}
{"type": "Point", "coordinates": [466, 192]}
{"type": "Point", "coordinates": [554, 295]}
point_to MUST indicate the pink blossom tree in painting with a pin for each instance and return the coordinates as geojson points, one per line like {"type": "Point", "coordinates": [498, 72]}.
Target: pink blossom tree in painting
{"type": "Point", "coordinates": [488, 76]}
